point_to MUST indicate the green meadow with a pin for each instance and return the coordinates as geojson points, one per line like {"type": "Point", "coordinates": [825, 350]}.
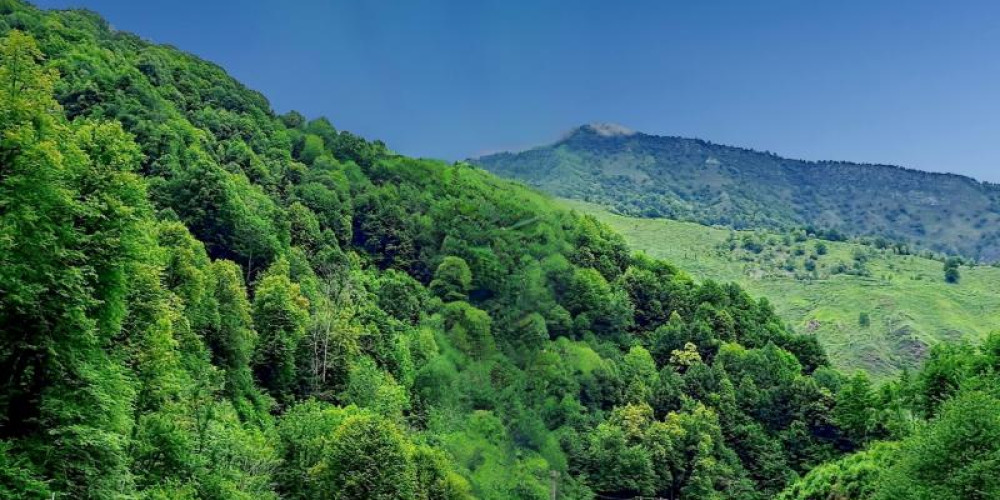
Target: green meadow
{"type": "Point", "coordinates": [908, 304]}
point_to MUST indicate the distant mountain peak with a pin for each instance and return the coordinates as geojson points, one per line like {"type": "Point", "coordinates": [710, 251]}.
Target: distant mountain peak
{"type": "Point", "coordinates": [693, 179]}
{"type": "Point", "coordinates": [603, 130]}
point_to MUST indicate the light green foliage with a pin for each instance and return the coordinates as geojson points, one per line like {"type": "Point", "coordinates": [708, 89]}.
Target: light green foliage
{"type": "Point", "coordinates": [909, 306]}
{"type": "Point", "coordinates": [312, 148]}
{"type": "Point", "coordinates": [304, 431]}
{"type": "Point", "coordinates": [452, 279]}
{"type": "Point", "coordinates": [233, 340]}
{"type": "Point", "coordinates": [633, 454]}
{"type": "Point", "coordinates": [369, 387]}
{"type": "Point", "coordinates": [304, 227]}
{"type": "Point", "coordinates": [955, 457]}
{"type": "Point", "coordinates": [639, 372]}
{"type": "Point", "coordinates": [66, 194]}
{"type": "Point", "coordinates": [469, 329]}
{"type": "Point", "coordinates": [855, 477]}
{"type": "Point", "coordinates": [595, 306]}
{"type": "Point", "coordinates": [685, 357]}
{"type": "Point", "coordinates": [436, 477]}
{"type": "Point", "coordinates": [280, 313]}
{"type": "Point", "coordinates": [401, 296]}
{"type": "Point", "coordinates": [367, 457]}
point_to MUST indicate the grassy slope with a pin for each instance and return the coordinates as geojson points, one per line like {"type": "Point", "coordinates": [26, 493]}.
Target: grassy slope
{"type": "Point", "coordinates": [909, 303]}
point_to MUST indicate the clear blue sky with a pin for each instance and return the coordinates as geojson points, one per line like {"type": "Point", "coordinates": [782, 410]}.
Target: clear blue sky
{"type": "Point", "coordinates": [913, 83]}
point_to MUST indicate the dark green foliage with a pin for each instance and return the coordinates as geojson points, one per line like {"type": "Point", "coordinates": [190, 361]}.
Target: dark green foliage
{"type": "Point", "coordinates": [17, 479]}
{"type": "Point", "coordinates": [857, 411]}
{"type": "Point", "coordinates": [951, 273]}
{"type": "Point", "coordinates": [951, 454]}
{"type": "Point", "coordinates": [689, 179]}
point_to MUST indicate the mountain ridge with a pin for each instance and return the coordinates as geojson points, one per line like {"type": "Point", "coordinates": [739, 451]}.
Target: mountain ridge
{"type": "Point", "coordinates": [698, 180]}
{"type": "Point", "coordinates": [590, 128]}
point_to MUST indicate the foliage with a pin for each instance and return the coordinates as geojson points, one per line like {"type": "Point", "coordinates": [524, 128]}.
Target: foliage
{"type": "Point", "coordinates": [951, 273]}
{"type": "Point", "coordinates": [950, 454]}
{"type": "Point", "coordinates": [201, 299]}
{"type": "Point", "coordinates": [452, 279]}
{"type": "Point", "coordinates": [909, 307]}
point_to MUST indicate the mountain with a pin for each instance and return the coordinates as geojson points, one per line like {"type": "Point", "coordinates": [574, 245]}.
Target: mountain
{"type": "Point", "coordinates": [695, 180]}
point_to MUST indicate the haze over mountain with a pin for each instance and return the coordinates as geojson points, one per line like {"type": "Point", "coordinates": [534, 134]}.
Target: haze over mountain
{"type": "Point", "coordinates": [696, 180]}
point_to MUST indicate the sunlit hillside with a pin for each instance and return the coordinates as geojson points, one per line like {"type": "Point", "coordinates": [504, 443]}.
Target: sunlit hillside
{"type": "Point", "coordinates": [906, 299]}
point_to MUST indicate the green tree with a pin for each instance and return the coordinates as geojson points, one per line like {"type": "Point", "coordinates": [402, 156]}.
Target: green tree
{"type": "Point", "coordinates": [303, 432]}
{"type": "Point", "coordinates": [367, 457]}
{"type": "Point", "coordinates": [951, 273]}
{"type": "Point", "coordinates": [864, 320]}
{"type": "Point", "coordinates": [469, 328]}
{"type": "Point", "coordinates": [616, 466]}
{"type": "Point", "coordinates": [596, 306]}
{"type": "Point", "coordinates": [233, 339]}
{"type": "Point", "coordinates": [312, 148]}
{"type": "Point", "coordinates": [639, 372]}
{"type": "Point", "coordinates": [304, 226]}
{"type": "Point", "coordinates": [369, 387]}
{"type": "Point", "coordinates": [955, 457]}
{"type": "Point", "coordinates": [436, 480]}
{"type": "Point", "coordinates": [857, 476]}
{"type": "Point", "coordinates": [452, 279]}
{"type": "Point", "coordinates": [71, 232]}
{"type": "Point", "coordinates": [856, 411]}
{"type": "Point", "coordinates": [280, 314]}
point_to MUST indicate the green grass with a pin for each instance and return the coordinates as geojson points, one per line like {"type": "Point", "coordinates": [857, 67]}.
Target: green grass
{"type": "Point", "coordinates": [909, 304]}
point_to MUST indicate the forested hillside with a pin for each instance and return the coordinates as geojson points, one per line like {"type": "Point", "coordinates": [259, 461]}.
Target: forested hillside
{"type": "Point", "coordinates": [871, 304]}
{"type": "Point", "coordinates": [932, 436]}
{"type": "Point", "coordinates": [201, 299]}
{"type": "Point", "coordinates": [693, 180]}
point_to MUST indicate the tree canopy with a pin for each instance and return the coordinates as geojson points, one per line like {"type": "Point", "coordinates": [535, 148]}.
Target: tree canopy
{"type": "Point", "coordinates": [200, 299]}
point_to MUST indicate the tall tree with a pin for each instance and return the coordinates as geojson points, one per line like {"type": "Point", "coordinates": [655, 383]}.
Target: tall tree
{"type": "Point", "coordinates": [280, 313]}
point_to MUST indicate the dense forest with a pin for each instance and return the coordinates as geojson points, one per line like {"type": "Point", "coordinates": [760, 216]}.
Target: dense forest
{"type": "Point", "coordinates": [694, 180]}
{"type": "Point", "coordinates": [201, 299]}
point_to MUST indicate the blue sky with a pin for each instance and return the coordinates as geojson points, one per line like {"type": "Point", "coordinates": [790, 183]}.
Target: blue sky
{"type": "Point", "coordinates": [911, 83]}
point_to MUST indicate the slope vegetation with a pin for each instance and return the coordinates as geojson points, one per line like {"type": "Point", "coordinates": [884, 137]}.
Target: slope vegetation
{"type": "Point", "coordinates": [694, 180]}
{"type": "Point", "coordinates": [202, 299]}
{"type": "Point", "coordinates": [870, 306]}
